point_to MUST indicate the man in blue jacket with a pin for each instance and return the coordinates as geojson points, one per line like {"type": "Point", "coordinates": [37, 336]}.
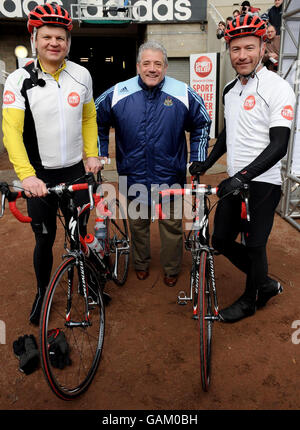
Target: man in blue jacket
{"type": "Point", "coordinates": [151, 113]}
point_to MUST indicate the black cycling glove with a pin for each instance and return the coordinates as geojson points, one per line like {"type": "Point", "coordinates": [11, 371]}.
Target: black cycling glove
{"type": "Point", "coordinates": [198, 168]}
{"type": "Point", "coordinates": [229, 185]}
{"type": "Point", "coordinates": [59, 352]}
{"type": "Point", "coordinates": [25, 349]}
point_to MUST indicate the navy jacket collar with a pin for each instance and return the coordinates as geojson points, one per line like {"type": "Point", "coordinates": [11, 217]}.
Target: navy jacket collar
{"type": "Point", "coordinates": [152, 90]}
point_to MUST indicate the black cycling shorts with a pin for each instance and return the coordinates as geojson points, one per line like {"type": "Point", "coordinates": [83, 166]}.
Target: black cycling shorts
{"type": "Point", "coordinates": [263, 200]}
{"type": "Point", "coordinates": [43, 210]}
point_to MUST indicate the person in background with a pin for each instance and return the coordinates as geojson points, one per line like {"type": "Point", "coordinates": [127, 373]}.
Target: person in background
{"type": "Point", "coordinates": [265, 17]}
{"type": "Point", "coordinates": [247, 8]}
{"type": "Point", "coordinates": [229, 18]}
{"type": "Point", "coordinates": [275, 15]}
{"type": "Point", "coordinates": [151, 113]}
{"type": "Point", "coordinates": [271, 56]}
{"type": "Point", "coordinates": [220, 29]}
{"type": "Point", "coordinates": [235, 13]}
{"type": "Point", "coordinates": [49, 118]}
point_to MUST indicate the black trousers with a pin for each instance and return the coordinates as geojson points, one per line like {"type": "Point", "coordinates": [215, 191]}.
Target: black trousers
{"type": "Point", "coordinates": [251, 257]}
{"type": "Point", "coordinates": [43, 212]}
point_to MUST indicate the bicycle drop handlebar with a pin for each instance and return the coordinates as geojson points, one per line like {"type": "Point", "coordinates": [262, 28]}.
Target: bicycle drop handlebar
{"type": "Point", "coordinates": [13, 196]}
{"type": "Point", "coordinates": [197, 190]}
{"type": "Point", "coordinates": [201, 189]}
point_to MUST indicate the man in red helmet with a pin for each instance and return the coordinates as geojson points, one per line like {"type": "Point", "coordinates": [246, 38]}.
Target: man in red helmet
{"type": "Point", "coordinates": [258, 110]}
{"type": "Point", "coordinates": [49, 118]}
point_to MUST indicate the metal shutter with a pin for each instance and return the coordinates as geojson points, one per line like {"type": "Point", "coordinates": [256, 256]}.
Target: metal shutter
{"type": "Point", "coordinates": [179, 68]}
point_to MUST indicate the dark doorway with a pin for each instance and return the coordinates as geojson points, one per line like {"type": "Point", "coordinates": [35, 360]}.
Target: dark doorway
{"type": "Point", "coordinates": [108, 59]}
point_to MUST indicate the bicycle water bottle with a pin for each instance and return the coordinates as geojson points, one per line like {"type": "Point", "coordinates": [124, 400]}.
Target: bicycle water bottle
{"type": "Point", "coordinates": [100, 231]}
{"type": "Point", "coordinates": [93, 243]}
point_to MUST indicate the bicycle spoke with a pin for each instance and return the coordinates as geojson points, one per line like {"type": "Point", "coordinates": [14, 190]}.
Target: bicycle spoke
{"type": "Point", "coordinates": [118, 236]}
{"type": "Point", "coordinates": [85, 342]}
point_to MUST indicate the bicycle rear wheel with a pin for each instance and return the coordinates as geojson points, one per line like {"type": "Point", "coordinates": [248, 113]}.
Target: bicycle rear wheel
{"type": "Point", "coordinates": [119, 250]}
{"type": "Point", "coordinates": [64, 302]}
{"type": "Point", "coordinates": [205, 316]}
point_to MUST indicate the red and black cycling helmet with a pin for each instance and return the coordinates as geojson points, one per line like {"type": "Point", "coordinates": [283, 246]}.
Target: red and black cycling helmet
{"type": "Point", "coordinates": [245, 25]}
{"type": "Point", "coordinates": [49, 14]}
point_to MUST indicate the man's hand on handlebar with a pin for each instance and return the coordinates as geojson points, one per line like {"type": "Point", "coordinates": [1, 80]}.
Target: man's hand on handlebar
{"type": "Point", "coordinates": [34, 187]}
{"type": "Point", "coordinates": [198, 168]}
{"type": "Point", "coordinates": [229, 185]}
{"type": "Point", "coordinates": [93, 164]}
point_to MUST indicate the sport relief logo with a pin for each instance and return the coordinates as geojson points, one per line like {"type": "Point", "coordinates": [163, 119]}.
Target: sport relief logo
{"type": "Point", "coordinates": [288, 112]}
{"type": "Point", "coordinates": [249, 103]}
{"type": "Point", "coordinates": [73, 99]}
{"type": "Point", "coordinates": [8, 97]}
{"type": "Point", "coordinates": [203, 66]}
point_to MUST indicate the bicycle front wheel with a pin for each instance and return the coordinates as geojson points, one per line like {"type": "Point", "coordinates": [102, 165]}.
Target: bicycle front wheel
{"type": "Point", "coordinates": [65, 309]}
{"type": "Point", "coordinates": [119, 249]}
{"type": "Point", "coordinates": [205, 318]}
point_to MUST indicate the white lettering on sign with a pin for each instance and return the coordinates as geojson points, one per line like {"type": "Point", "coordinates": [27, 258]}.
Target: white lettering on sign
{"type": "Point", "coordinates": [144, 10]}
{"type": "Point", "coordinates": [203, 79]}
{"type": "Point", "coordinates": [20, 8]}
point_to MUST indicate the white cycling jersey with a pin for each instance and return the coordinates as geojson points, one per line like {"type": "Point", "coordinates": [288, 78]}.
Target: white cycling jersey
{"type": "Point", "coordinates": [266, 101]}
{"type": "Point", "coordinates": [53, 113]}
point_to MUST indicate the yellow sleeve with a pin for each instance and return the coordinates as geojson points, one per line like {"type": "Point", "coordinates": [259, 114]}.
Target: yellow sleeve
{"type": "Point", "coordinates": [89, 129]}
{"type": "Point", "coordinates": [12, 126]}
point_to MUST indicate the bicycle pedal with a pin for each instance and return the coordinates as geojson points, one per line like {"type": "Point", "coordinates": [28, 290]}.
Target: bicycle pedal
{"type": "Point", "coordinates": [181, 298]}
{"type": "Point", "coordinates": [181, 302]}
{"type": "Point", "coordinates": [91, 303]}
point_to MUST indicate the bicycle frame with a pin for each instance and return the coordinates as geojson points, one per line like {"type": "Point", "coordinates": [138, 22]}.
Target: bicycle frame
{"type": "Point", "coordinates": [197, 242]}
{"type": "Point", "coordinates": [78, 248]}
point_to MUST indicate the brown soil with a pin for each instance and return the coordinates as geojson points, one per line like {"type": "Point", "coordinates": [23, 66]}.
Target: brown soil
{"type": "Point", "coordinates": [150, 358]}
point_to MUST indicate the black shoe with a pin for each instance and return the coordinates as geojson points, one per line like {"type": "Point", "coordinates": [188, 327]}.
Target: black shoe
{"type": "Point", "coordinates": [35, 313]}
{"type": "Point", "coordinates": [242, 308]}
{"type": "Point", "coordinates": [270, 289]}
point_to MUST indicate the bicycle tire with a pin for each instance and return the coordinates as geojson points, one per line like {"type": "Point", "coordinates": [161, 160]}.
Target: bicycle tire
{"type": "Point", "coordinates": [118, 236]}
{"type": "Point", "coordinates": [85, 343]}
{"type": "Point", "coordinates": [205, 316]}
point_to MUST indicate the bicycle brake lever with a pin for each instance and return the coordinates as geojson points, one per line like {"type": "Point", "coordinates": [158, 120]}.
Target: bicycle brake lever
{"type": "Point", "coordinates": [2, 205]}
{"type": "Point", "coordinates": [247, 208]}
{"type": "Point", "coordinates": [90, 181]}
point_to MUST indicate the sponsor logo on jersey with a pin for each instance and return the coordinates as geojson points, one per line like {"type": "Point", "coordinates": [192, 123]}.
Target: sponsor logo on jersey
{"type": "Point", "coordinates": [8, 97]}
{"type": "Point", "coordinates": [249, 103]}
{"type": "Point", "coordinates": [288, 112]}
{"type": "Point", "coordinates": [168, 102]}
{"type": "Point", "coordinates": [73, 99]}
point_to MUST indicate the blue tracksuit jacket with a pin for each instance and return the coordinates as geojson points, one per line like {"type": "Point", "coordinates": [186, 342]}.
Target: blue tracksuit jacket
{"type": "Point", "coordinates": [150, 126]}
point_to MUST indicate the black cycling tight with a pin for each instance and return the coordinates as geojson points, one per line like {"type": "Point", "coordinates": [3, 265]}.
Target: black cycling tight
{"type": "Point", "coordinates": [250, 260]}
{"type": "Point", "coordinates": [43, 212]}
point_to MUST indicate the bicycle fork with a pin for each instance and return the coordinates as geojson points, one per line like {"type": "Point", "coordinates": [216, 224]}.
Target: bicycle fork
{"type": "Point", "coordinates": [210, 287]}
{"type": "Point", "coordinates": [82, 290]}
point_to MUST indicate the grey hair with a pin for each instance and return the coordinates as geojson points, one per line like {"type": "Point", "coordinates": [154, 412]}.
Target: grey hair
{"type": "Point", "coordinates": [154, 46]}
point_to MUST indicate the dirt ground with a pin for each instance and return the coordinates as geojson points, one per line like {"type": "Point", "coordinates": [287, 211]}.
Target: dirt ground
{"type": "Point", "coordinates": [150, 359]}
